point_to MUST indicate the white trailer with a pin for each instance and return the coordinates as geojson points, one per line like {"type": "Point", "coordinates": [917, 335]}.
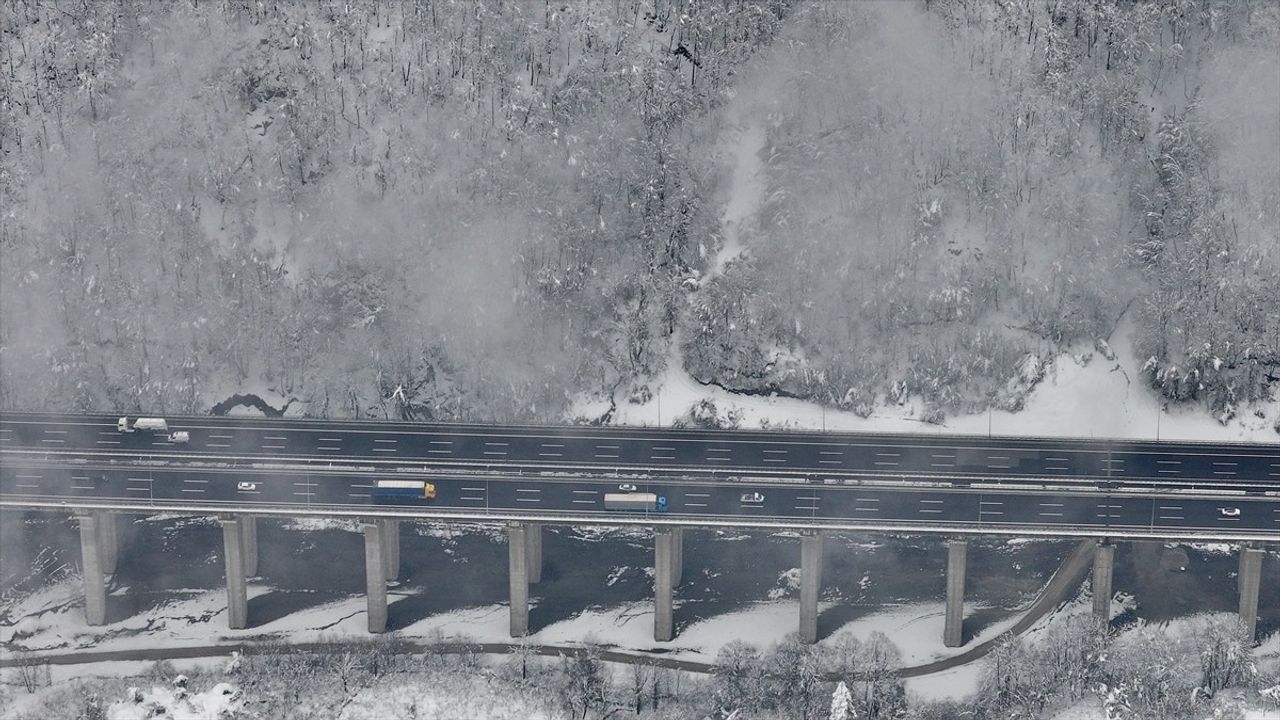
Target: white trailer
{"type": "Point", "coordinates": [151, 424]}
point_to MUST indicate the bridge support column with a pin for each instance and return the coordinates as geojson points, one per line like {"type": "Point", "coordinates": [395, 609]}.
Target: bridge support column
{"type": "Point", "coordinates": [109, 541]}
{"type": "Point", "coordinates": [1250, 580]}
{"type": "Point", "coordinates": [957, 557]}
{"type": "Point", "coordinates": [391, 548]}
{"type": "Point", "coordinates": [533, 563]}
{"type": "Point", "coordinates": [91, 564]}
{"type": "Point", "coordinates": [249, 535]}
{"type": "Point", "coordinates": [1104, 559]}
{"type": "Point", "coordinates": [233, 544]}
{"type": "Point", "coordinates": [664, 585]}
{"type": "Point", "coordinates": [810, 584]}
{"type": "Point", "coordinates": [375, 573]}
{"type": "Point", "coordinates": [677, 556]}
{"type": "Point", "coordinates": [518, 577]}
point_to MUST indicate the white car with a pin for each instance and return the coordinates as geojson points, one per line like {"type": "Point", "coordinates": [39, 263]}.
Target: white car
{"type": "Point", "coordinates": [1229, 512]}
{"type": "Point", "coordinates": [246, 486]}
{"type": "Point", "coordinates": [180, 437]}
{"type": "Point", "coordinates": [752, 497]}
{"type": "Point", "coordinates": [627, 487]}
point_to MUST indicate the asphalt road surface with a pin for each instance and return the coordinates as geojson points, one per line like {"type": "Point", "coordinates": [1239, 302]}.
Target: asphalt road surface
{"type": "Point", "coordinates": [481, 470]}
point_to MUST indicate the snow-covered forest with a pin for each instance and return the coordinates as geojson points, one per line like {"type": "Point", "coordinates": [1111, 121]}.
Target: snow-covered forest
{"type": "Point", "coordinates": [457, 210]}
{"type": "Point", "coordinates": [1079, 670]}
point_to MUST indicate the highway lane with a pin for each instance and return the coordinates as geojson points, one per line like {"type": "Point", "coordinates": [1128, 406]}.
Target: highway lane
{"type": "Point", "coordinates": [1010, 508]}
{"type": "Point", "coordinates": [957, 459]}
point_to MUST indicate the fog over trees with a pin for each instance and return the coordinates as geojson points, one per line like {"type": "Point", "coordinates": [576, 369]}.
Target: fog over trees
{"type": "Point", "coordinates": [434, 210]}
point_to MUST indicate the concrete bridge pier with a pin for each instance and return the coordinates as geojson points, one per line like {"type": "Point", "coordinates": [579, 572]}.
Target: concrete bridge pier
{"type": "Point", "coordinates": [810, 584]}
{"type": "Point", "coordinates": [391, 548]}
{"type": "Point", "coordinates": [92, 567]}
{"type": "Point", "coordinates": [664, 583]}
{"type": "Point", "coordinates": [533, 545]}
{"type": "Point", "coordinates": [677, 556]}
{"type": "Point", "coordinates": [518, 577]}
{"type": "Point", "coordinates": [375, 572]}
{"type": "Point", "coordinates": [233, 554]}
{"type": "Point", "coordinates": [1250, 580]}
{"type": "Point", "coordinates": [957, 558]}
{"type": "Point", "coordinates": [249, 536]}
{"type": "Point", "coordinates": [109, 540]}
{"type": "Point", "coordinates": [1104, 560]}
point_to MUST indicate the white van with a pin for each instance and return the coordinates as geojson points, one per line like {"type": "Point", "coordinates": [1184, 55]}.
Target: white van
{"type": "Point", "coordinates": [152, 424]}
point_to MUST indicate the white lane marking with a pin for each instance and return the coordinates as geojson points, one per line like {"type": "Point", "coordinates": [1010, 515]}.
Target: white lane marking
{"type": "Point", "coordinates": [357, 485]}
{"type": "Point", "coordinates": [932, 502]}
{"type": "Point", "coordinates": [275, 437]}
{"type": "Point", "coordinates": [608, 447]}
{"type": "Point", "coordinates": [533, 500]}
{"type": "Point", "coordinates": [386, 441]}
{"type": "Point", "coordinates": [384, 450]}
{"type": "Point", "coordinates": [550, 455]}
{"type": "Point", "coordinates": [56, 432]}
{"type": "Point", "coordinates": [698, 495]}
{"type": "Point", "coordinates": [327, 447]}
{"type": "Point", "coordinates": [552, 445]}
{"type": "Point", "coordinates": [1051, 458]}
{"type": "Point", "coordinates": [1050, 514]}
{"type": "Point", "coordinates": [831, 462]}
{"type": "Point", "coordinates": [585, 502]}
{"type": "Point", "coordinates": [1168, 462]}
{"type": "Point", "coordinates": [358, 495]}
{"type": "Point", "coordinates": [775, 452]}
{"type": "Point", "coordinates": [663, 448]}
{"type": "Point", "coordinates": [440, 442]}
{"type": "Point", "coordinates": [923, 510]}
{"type": "Point", "coordinates": [695, 504]}
{"type": "Point", "coordinates": [440, 452]}
{"type": "Point", "coordinates": [586, 492]}
{"type": "Point", "coordinates": [942, 465]}
{"type": "Point", "coordinates": [325, 439]}
{"type": "Point", "coordinates": [1051, 504]}
{"type": "Point", "coordinates": [774, 460]}
{"type": "Point", "coordinates": [472, 489]}
{"type": "Point", "coordinates": [662, 457]}
{"type": "Point", "coordinates": [472, 499]}
{"type": "Point", "coordinates": [28, 477]}
{"type": "Point", "coordinates": [528, 490]}
{"type": "Point", "coordinates": [499, 453]}
{"type": "Point", "coordinates": [889, 464]}
{"type": "Point", "coordinates": [188, 490]}
{"type": "Point", "coordinates": [306, 484]}
{"type": "Point", "coordinates": [807, 497]}
{"type": "Point", "coordinates": [273, 447]}
{"type": "Point", "coordinates": [888, 454]}
{"type": "Point", "coordinates": [195, 482]}
{"type": "Point", "coordinates": [497, 444]}
{"type": "Point", "coordinates": [59, 440]}
{"type": "Point", "coordinates": [220, 437]}
{"type": "Point", "coordinates": [108, 442]}
{"type": "Point", "coordinates": [874, 500]}
{"type": "Point", "coordinates": [871, 509]}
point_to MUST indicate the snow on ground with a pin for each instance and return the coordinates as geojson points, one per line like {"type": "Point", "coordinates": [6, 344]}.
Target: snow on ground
{"type": "Point", "coordinates": [200, 620]}
{"type": "Point", "coordinates": [1097, 398]}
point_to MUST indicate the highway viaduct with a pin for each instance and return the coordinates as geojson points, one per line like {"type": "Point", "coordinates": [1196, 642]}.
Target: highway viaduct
{"type": "Point", "coordinates": [242, 469]}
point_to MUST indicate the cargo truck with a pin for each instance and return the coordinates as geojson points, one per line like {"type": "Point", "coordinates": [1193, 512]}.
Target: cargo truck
{"type": "Point", "coordinates": [647, 502]}
{"type": "Point", "coordinates": [404, 490]}
{"type": "Point", "coordinates": [152, 424]}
